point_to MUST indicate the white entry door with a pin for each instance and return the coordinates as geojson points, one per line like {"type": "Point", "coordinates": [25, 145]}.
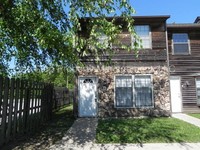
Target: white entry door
{"type": "Point", "coordinates": [175, 89]}
{"type": "Point", "coordinates": [87, 97]}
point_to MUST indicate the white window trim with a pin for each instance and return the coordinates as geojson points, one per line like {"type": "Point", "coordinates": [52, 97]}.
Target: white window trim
{"type": "Point", "coordinates": [188, 42]}
{"type": "Point", "coordinates": [196, 90]}
{"type": "Point", "coordinates": [133, 81]}
{"type": "Point", "coordinates": [151, 89]}
{"type": "Point", "coordinates": [150, 38]}
{"type": "Point", "coordinates": [115, 103]}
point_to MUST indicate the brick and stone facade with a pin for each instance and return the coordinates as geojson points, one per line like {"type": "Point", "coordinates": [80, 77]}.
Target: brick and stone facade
{"type": "Point", "coordinates": [106, 87]}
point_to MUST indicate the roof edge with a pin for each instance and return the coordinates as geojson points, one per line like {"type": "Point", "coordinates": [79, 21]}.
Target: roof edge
{"type": "Point", "coordinates": [184, 25]}
{"type": "Point", "coordinates": [134, 17]}
{"type": "Point", "coordinates": [197, 20]}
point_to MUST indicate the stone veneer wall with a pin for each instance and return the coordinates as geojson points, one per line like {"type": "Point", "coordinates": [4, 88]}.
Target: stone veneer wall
{"type": "Point", "coordinates": [106, 90]}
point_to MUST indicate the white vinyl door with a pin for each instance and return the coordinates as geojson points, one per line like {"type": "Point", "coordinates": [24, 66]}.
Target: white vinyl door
{"type": "Point", "coordinates": [175, 89]}
{"type": "Point", "coordinates": [87, 96]}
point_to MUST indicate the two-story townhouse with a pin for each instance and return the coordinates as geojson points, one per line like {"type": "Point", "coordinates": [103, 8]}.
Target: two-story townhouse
{"type": "Point", "coordinates": [130, 86]}
{"type": "Point", "coordinates": [184, 66]}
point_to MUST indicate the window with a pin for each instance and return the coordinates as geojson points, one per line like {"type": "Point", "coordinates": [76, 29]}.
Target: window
{"type": "Point", "coordinates": [133, 91]}
{"type": "Point", "coordinates": [123, 91]}
{"type": "Point", "coordinates": [198, 90]}
{"type": "Point", "coordinates": [143, 31]}
{"type": "Point", "coordinates": [103, 39]}
{"type": "Point", "coordinates": [180, 43]}
{"type": "Point", "coordinates": [143, 91]}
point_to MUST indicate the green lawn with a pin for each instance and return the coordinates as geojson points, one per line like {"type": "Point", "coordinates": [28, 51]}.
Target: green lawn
{"type": "Point", "coordinates": [147, 130]}
{"type": "Point", "coordinates": [195, 115]}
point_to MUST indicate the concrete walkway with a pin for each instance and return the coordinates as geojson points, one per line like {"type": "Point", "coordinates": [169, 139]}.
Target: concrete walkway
{"type": "Point", "coordinates": [187, 118]}
{"type": "Point", "coordinates": [82, 133]}
{"type": "Point", "coordinates": [81, 136]}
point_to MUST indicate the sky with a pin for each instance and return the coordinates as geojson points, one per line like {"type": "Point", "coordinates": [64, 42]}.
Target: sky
{"type": "Point", "coordinates": [181, 11]}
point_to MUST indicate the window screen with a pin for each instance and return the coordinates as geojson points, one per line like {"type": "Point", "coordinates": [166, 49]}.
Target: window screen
{"type": "Point", "coordinates": [198, 90]}
{"type": "Point", "coordinates": [180, 43]}
{"type": "Point", "coordinates": [143, 31]}
{"type": "Point", "coordinates": [123, 91]}
{"type": "Point", "coordinates": [143, 91]}
{"type": "Point", "coordinates": [133, 92]}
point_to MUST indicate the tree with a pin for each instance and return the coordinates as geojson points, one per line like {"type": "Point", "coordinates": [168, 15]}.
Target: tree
{"type": "Point", "coordinates": [39, 33]}
{"type": "Point", "coordinates": [59, 76]}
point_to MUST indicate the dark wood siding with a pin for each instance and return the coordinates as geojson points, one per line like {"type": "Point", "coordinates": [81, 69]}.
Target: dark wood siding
{"type": "Point", "coordinates": [158, 36]}
{"type": "Point", "coordinates": [157, 53]}
{"type": "Point", "coordinates": [186, 66]}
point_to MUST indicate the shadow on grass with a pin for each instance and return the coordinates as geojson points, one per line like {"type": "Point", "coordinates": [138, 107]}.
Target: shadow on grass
{"type": "Point", "coordinates": [151, 130]}
{"type": "Point", "coordinates": [50, 132]}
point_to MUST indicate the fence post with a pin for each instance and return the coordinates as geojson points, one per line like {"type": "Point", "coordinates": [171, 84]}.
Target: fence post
{"type": "Point", "coordinates": [11, 98]}
{"type": "Point", "coordinates": [4, 111]}
{"type": "Point", "coordinates": [1, 110]}
{"type": "Point", "coordinates": [26, 107]}
{"type": "Point", "coordinates": [16, 106]}
{"type": "Point", "coordinates": [50, 101]}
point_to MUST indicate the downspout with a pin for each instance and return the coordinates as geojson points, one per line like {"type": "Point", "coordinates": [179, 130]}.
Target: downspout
{"type": "Point", "coordinates": [167, 49]}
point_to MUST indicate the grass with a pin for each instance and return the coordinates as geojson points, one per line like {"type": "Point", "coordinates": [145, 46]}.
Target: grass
{"type": "Point", "coordinates": [50, 133]}
{"type": "Point", "coordinates": [195, 115]}
{"type": "Point", "coordinates": [146, 130]}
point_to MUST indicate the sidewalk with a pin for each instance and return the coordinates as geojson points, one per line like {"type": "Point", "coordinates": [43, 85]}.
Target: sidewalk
{"type": "Point", "coordinates": [187, 118]}
{"type": "Point", "coordinates": [81, 136]}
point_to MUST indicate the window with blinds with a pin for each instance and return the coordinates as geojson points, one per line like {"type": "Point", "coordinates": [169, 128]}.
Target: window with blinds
{"type": "Point", "coordinates": [143, 91]}
{"type": "Point", "coordinates": [143, 31]}
{"type": "Point", "coordinates": [198, 90]}
{"type": "Point", "coordinates": [180, 43]}
{"type": "Point", "coordinates": [133, 91]}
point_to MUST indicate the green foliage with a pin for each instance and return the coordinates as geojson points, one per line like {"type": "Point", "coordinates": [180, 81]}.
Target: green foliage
{"type": "Point", "coordinates": [147, 130]}
{"type": "Point", "coordinates": [58, 76]}
{"type": "Point", "coordinates": [38, 33]}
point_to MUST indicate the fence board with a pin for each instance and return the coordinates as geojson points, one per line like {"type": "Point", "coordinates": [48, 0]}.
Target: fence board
{"type": "Point", "coordinates": [16, 107]}
{"type": "Point", "coordinates": [4, 113]}
{"type": "Point", "coordinates": [1, 98]}
{"type": "Point", "coordinates": [21, 104]}
{"type": "Point", "coordinates": [61, 97]}
{"type": "Point", "coordinates": [36, 107]}
{"type": "Point", "coordinates": [1, 109]}
{"type": "Point", "coordinates": [10, 112]}
{"type": "Point", "coordinates": [21, 129]}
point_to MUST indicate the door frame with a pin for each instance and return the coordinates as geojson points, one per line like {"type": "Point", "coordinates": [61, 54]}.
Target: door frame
{"type": "Point", "coordinates": [97, 98]}
{"type": "Point", "coordinates": [176, 77]}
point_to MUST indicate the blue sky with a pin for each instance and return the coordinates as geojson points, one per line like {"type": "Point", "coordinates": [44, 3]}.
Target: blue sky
{"type": "Point", "coordinates": [181, 11]}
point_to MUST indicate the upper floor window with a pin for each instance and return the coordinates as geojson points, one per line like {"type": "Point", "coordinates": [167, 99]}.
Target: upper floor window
{"type": "Point", "coordinates": [180, 43]}
{"type": "Point", "coordinates": [143, 31]}
{"type": "Point", "coordinates": [103, 39]}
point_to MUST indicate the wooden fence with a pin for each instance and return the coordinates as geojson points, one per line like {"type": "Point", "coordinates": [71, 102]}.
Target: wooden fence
{"type": "Point", "coordinates": [62, 96]}
{"type": "Point", "coordinates": [24, 106]}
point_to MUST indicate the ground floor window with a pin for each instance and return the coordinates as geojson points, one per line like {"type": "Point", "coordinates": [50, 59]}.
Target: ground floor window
{"type": "Point", "coordinates": [198, 90]}
{"type": "Point", "coordinates": [133, 91]}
